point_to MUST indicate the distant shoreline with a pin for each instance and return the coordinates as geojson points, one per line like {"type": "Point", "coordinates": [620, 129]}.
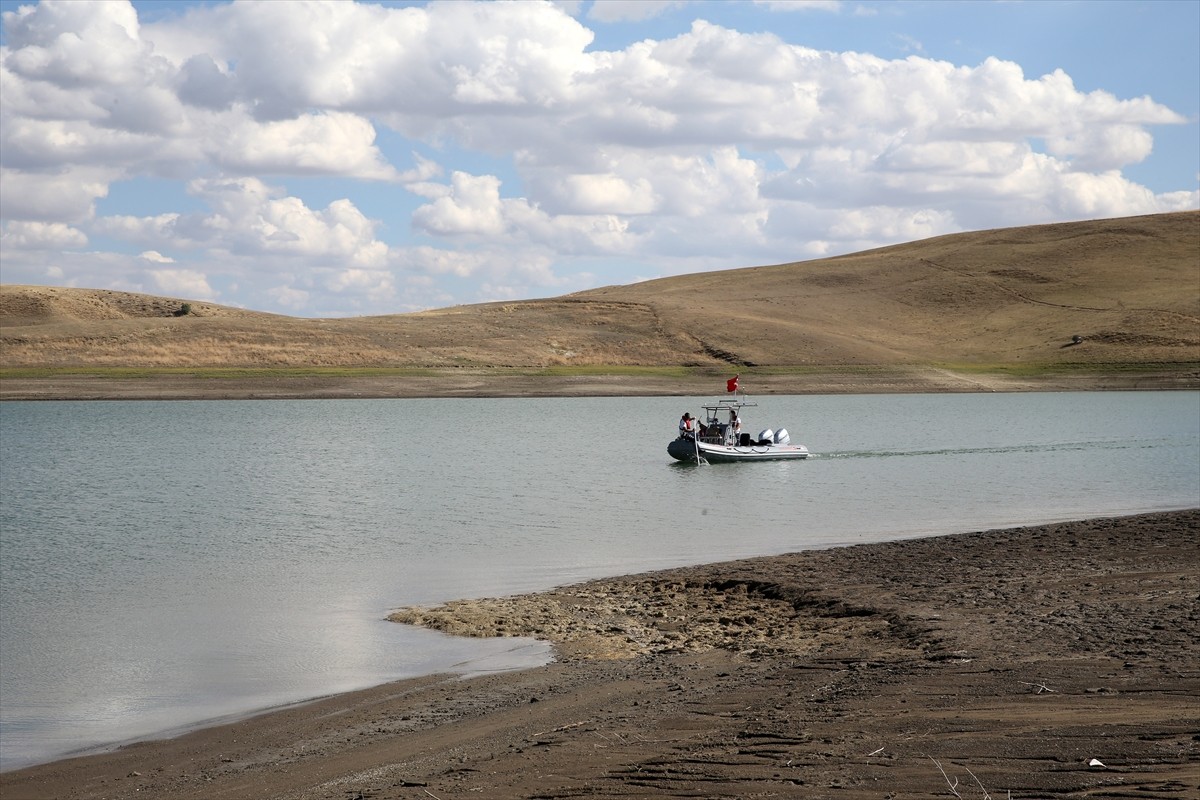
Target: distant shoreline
{"type": "Point", "coordinates": [298, 385]}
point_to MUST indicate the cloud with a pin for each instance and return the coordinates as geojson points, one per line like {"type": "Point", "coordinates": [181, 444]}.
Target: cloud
{"type": "Point", "coordinates": [67, 195]}
{"type": "Point", "coordinates": [181, 283]}
{"type": "Point", "coordinates": [435, 261]}
{"type": "Point", "coordinates": [85, 86]}
{"type": "Point", "coordinates": [84, 44]}
{"type": "Point", "coordinates": [472, 207]}
{"type": "Point", "coordinates": [204, 83]}
{"type": "Point", "coordinates": [86, 67]}
{"type": "Point", "coordinates": [332, 143]}
{"type": "Point", "coordinates": [471, 211]}
{"type": "Point", "coordinates": [601, 193]}
{"type": "Point", "coordinates": [21, 235]}
{"type": "Point", "coordinates": [256, 233]}
{"type": "Point", "coordinates": [289, 297]}
{"type": "Point", "coordinates": [281, 60]}
{"type": "Point", "coordinates": [250, 218]}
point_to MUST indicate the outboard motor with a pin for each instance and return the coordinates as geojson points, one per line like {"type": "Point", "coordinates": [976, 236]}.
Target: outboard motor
{"type": "Point", "coordinates": [766, 437]}
{"type": "Point", "coordinates": [782, 437]}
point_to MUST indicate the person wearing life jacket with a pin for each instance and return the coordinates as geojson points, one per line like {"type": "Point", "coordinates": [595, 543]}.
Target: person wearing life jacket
{"type": "Point", "coordinates": [686, 429]}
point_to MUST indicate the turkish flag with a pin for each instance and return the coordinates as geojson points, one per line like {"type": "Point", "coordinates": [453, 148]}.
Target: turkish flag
{"type": "Point", "coordinates": [731, 384]}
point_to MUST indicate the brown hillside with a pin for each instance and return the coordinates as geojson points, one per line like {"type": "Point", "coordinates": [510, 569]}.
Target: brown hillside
{"type": "Point", "coordinates": [1129, 287]}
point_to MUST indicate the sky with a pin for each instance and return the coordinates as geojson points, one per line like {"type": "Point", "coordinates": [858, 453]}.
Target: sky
{"type": "Point", "coordinates": [330, 159]}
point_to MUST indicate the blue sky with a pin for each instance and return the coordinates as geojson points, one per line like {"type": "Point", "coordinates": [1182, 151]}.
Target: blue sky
{"type": "Point", "coordinates": [333, 159]}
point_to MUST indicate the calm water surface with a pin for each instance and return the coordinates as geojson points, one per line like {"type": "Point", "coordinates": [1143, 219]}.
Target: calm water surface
{"type": "Point", "coordinates": [167, 563]}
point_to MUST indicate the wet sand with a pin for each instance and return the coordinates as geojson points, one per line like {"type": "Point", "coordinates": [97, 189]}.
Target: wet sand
{"type": "Point", "coordinates": [1050, 661]}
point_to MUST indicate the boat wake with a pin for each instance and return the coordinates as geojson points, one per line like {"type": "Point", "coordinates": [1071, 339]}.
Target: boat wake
{"type": "Point", "coordinates": [1045, 447]}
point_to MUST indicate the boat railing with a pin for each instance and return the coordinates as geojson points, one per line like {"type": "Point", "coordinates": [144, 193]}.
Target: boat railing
{"type": "Point", "coordinates": [728, 405]}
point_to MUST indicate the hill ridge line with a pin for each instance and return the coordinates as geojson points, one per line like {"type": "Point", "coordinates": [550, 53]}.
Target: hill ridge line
{"type": "Point", "coordinates": [1003, 300]}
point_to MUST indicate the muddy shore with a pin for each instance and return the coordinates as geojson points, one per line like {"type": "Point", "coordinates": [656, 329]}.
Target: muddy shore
{"type": "Point", "coordinates": [1051, 661]}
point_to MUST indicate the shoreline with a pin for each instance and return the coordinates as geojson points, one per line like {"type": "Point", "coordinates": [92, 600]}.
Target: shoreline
{"type": "Point", "coordinates": [494, 383]}
{"type": "Point", "coordinates": [1018, 654]}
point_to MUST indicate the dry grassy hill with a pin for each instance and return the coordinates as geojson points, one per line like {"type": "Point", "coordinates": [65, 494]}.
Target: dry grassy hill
{"type": "Point", "coordinates": [1130, 288]}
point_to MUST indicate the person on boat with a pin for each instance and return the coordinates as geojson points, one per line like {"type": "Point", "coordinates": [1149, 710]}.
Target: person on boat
{"type": "Point", "coordinates": [735, 425]}
{"type": "Point", "coordinates": [686, 429]}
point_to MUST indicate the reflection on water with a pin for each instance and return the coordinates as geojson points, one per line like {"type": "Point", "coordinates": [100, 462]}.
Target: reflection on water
{"type": "Point", "coordinates": [168, 562]}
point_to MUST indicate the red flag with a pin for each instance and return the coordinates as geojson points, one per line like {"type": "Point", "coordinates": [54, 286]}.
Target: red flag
{"type": "Point", "coordinates": [731, 384]}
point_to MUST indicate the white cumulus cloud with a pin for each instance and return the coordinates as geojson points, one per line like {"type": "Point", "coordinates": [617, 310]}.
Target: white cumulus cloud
{"type": "Point", "coordinates": [181, 283]}
{"type": "Point", "coordinates": [21, 235]}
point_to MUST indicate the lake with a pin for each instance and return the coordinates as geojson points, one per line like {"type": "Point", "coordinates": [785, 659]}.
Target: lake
{"type": "Point", "coordinates": [168, 563]}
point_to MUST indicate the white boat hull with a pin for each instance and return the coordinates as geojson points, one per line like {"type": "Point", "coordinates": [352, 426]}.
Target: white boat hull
{"type": "Point", "coordinates": [686, 450]}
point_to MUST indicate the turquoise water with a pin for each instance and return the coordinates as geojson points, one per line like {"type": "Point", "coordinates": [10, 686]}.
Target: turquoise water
{"type": "Point", "coordinates": [168, 563]}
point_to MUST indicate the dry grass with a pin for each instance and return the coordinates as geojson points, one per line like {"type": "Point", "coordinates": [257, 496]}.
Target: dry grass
{"type": "Point", "coordinates": [998, 300]}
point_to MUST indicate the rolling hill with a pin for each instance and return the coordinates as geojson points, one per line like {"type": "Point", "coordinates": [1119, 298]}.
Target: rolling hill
{"type": "Point", "coordinates": [1098, 295]}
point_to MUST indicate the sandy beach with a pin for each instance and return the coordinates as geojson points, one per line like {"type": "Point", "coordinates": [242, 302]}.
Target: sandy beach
{"type": "Point", "coordinates": [1050, 661]}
